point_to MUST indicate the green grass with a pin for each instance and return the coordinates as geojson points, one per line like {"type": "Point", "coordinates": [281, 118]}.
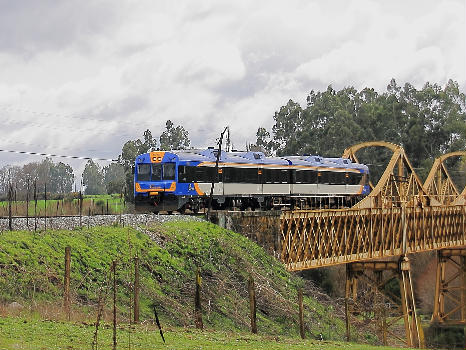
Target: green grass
{"type": "Point", "coordinates": [32, 274]}
{"type": "Point", "coordinates": [32, 269]}
{"type": "Point", "coordinates": [19, 333]}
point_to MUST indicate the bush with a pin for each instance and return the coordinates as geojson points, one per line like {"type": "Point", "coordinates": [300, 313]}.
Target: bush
{"type": "Point", "coordinates": [100, 203]}
{"type": "Point", "coordinates": [69, 197]}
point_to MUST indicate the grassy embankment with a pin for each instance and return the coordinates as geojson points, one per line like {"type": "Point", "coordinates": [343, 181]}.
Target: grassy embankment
{"type": "Point", "coordinates": [31, 278]}
{"type": "Point", "coordinates": [97, 204]}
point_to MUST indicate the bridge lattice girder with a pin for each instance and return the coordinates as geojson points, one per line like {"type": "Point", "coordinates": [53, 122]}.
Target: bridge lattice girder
{"type": "Point", "coordinates": [399, 216]}
{"type": "Point", "coordinates": [316, 238]}
{"type": "Point", "coordinates": [439, 183]}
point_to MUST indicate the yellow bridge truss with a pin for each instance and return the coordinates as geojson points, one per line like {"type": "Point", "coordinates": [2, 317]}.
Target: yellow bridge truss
{"type": "Point", "coordinates": [400, 216]}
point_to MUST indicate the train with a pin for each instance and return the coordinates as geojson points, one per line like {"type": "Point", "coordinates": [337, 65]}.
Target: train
{"type": "Point", "coordinates": [181, 180]}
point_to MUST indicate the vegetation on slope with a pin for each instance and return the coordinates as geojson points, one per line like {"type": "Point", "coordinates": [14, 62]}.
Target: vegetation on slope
{"type": "Point", "coordinates": [32, 268]}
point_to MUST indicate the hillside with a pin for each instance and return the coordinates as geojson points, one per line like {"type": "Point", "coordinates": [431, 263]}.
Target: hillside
{"type": "Point", "coordinates": [32, 268]}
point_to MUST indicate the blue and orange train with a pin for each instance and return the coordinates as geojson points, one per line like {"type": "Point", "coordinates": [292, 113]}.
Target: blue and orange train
{"type": "Point", "coordinates": [181, 180]}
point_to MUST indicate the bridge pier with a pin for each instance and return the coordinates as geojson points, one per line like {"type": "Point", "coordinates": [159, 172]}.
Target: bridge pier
{"type": "Point", "coordinates": [262, 227]}
{"type": "Point", "coordinates": [450, 287]}
{"type": "Point", "coordinates": [381, 302]}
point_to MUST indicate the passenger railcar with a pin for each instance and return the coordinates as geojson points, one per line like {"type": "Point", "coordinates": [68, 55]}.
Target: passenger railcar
{"type": "Point", "coordinates": [180, 180]}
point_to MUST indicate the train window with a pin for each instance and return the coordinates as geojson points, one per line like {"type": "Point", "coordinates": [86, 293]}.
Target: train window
{"type": "Point", "coordinates": [336, 178]}
{"type": "Point", "coordinates": [275, 176]}
{"type": "Point", "coordinates": [143, 172]}
{"type": "Point", "coordinates": [229, 175]}
{"type": "Point", "coordinates": [341, 178]}
{"type": "Point", "coordinates": [284, 176]}
{"type": "Point", "coordinates": [248, 175]}
{"type": "Point", "coordinates": [156, 172]}
{"type": "Point", "coordinates": [324, 178]}
{"type": "Point", "coordinates": [169, 171]}
{"type": "Point", "coordinates": [354, 178]}
{"type": "Point", "coordinates": [200, 174]}
{"type": "Point", "coordinates": [266, 176]}
{"type": "Point", "coordinates": [240, 175]}
{"type": "Point", "coordinates": [306, 177]}
{"type": "Point", "coordinates": [205, 174]}
{"type": "Point", "coordinates": [183, 173]}
{"type": "Point", "coordinates": [188, 174]}
{"type": "Point", "coordinates": [269, 176]}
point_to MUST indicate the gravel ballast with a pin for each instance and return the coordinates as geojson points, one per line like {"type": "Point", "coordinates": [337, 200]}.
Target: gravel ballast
{"type": "Point", "coordinates": [72, 222]}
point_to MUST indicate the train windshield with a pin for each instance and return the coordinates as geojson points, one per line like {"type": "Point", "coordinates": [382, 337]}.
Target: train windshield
{"type": "Point", "coordinates": [143, 172]}
{"type": "Point", "coordinates": [156, 172]}
{"type": "Point", "coordinates": [169, 171]}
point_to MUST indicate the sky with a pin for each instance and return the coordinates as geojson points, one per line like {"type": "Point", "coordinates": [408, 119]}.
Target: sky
{"type": "Point", "coordinates": [83, 77]}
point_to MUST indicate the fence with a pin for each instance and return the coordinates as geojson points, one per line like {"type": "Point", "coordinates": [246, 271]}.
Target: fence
{"type": "Point", "coordinates": [37, 206]}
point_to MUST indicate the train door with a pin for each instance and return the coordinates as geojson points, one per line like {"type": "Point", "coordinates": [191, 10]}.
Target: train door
{"type": "Point", "coordinates": [260, 184]}
{"type": "Point", "coordinates": [169, 175]}
{"type": "Point", "coordinates": [218, 187]}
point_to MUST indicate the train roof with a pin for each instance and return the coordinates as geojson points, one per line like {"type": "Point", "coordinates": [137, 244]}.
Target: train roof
{"type": "Point", "coordinates": [253, 157]}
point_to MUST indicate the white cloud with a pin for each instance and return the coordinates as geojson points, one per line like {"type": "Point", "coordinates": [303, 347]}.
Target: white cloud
{"type": "Point", "coordinates": [103, 73]}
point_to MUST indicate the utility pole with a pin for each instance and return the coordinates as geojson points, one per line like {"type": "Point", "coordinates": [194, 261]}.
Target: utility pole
{"type": "Point", "coordinates": [228, 145]}
{"type": "Point", "coordinates": [214, 177]}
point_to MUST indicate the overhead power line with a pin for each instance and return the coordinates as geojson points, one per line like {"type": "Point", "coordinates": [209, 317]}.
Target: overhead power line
{"type": "Point", "coordinates": [57, 155]}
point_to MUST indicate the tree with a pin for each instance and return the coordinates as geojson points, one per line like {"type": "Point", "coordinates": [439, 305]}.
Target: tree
{"type": "Point", "coordinates": [58, 176]}
{"type": "Point", "coordinates": [288, 126]}
{"type": "Point", "coordinates": [149, 143]}
{"type": "Point", "coordinates": [427, 122]}
{"type": "Point", "coordinates": [114, 178]}
{"type": "Point", "coordinates": [93, 178]}
{"type": "Point", "coordinates": [131, 149]}
{"type": "Point", "coordinates": [61, 178]}
{"type": "Point", "coordinates": [174, 138]}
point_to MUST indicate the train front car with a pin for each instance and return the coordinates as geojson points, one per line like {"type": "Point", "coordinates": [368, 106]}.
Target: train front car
{"type": "Point", "coordinates": [169, 181]}
{"type": "Point", "coordinates": [155, 181]}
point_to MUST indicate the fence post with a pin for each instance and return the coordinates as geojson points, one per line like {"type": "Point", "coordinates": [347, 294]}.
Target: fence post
{"type": "Point", "coordinates": [252, 304]}
{"type": "Point", "coordinates": [45, 206]}
{"type": "Point", "coordinates": [114, 305]}
{"type": "Point", "coordinates": [10, 194]}
{"type": "Point", "coordinates": [15, 191]}
{"type": "Point", "coordinates": [80, 202]}
{"type": "Point", "coordinates": [27, 204]}
{"type": "Point", "coordinates": [121, 195]}
{"type": "Point", "coordinates": [66, 286]}
{"type": "Point", "coordinates": [197, 302]}
{"type": "Point", "coordinates": [136, 290]}
{"type": "Point", "coordinates": [301, 313]}
{"type": "Point", "coordinates": [35, 205]}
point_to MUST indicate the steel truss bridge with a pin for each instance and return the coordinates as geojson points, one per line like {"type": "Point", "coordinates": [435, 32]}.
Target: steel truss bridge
{"type": "Point", "coordinates": [400, 216]}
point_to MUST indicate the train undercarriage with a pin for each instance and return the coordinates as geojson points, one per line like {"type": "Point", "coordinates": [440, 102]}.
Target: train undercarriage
{"type": "Point", "coordinates": [199, 204]}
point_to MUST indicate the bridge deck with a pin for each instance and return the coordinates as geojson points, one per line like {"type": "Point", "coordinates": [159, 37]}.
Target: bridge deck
{"type": "Point", "coordinates": [318, 238]}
